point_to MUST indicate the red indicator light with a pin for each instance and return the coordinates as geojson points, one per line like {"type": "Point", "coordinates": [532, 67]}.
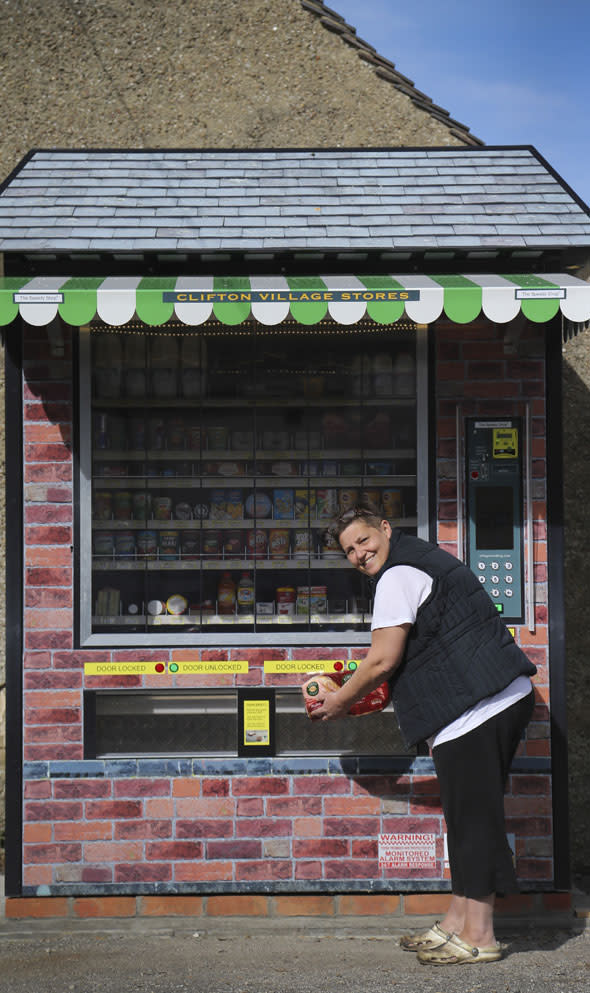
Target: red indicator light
{"type": "Point", "coordinates": [338, 666]}
{"type": "Point", "coordinates": [160, 667]}
{"type": "Point", "coordinates": [475, 474]}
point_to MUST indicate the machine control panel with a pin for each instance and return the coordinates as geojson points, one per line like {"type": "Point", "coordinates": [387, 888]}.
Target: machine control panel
{"type": "Point", "coordinates": [494, 509]}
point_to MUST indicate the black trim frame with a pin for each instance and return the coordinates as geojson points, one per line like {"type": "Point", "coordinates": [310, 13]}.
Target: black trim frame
{"type": "Point", "coordinates": [13, 338]}
{"type": "Point", "coordinates": [556, 606]}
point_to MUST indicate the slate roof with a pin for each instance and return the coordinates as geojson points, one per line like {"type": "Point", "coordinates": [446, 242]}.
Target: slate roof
{"type": "Point", "coordinates": [316, 200]}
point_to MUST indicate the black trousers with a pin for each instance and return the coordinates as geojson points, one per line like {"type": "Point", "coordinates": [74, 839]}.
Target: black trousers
{"type": "Point", "coordinates": [472, 771]}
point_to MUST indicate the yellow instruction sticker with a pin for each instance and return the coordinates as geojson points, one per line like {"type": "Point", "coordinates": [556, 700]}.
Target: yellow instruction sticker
{"type": "Point", "coordinates": [309, 665]}
{"type": "Point", "coordinates": [218, 667]}
{"type": "Point", "coordinates": [124, 668]}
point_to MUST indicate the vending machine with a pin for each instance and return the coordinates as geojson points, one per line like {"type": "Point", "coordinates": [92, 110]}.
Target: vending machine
{"type": "Point", "coordinates": [494, 500]}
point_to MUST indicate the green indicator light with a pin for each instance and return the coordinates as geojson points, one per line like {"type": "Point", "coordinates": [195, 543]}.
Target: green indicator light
{"type": "Point", "coordinates": [173, 667]}
{"type": "Point", "coordinates": [352, 666]}
{"type": "Point", "coordinates": [500, 608]}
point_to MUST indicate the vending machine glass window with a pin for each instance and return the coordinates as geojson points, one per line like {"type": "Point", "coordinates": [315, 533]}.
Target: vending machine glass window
{"type": "Point", "coordinates": [212, 462]}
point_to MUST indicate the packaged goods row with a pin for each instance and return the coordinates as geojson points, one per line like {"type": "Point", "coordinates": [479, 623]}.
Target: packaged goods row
{"type": "Point", "coordinates": [287, 468]}
{"type": "Point", "coordinates": [234, 595]}
{"type": "Point", "coordinates": [179, 431]}
{"type": "Point", "coordinates": [278, 504]}
{"type": "Point", "coordinates": [136, 366]}
{"type": "Point", "coordinates": [169, 546]}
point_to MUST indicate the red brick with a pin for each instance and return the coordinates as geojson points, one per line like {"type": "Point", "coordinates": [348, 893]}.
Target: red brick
{"type": "Point", "coordinates": [46, 433]}
{"type": "Point", "coordinates": [209, 871]}
{"type": "Point", "coordinates": [294, 806]}
{"type": "Point", "coordinates": [258, 871]}
{"type": "Point", "coordinates": [53, 752]}
{"type": "Point", "coordinates": [263, 828]}
{"type": "Point", "coordinates": [113, 808]}
{"type": "Point", "coordinates": [304, 906]}
{"type": "Point", "coordinates": [53, 698]}
{"type": "Point", "coordinates": [70, 788]}
{"type": "Point", "coordinates": [22, 907]}
{"type": "Point", "coordinates": [48, 598]}
{"type": "Point", "coordinates": [50, 715]}
{"type": "Point", "coordinates": [83, 831]}
{"type": "Point", "coordinates": [426, 903]}
{"type": "Point", "coordinates": [48, 411]}
{"type": "Point", "coordinates": [260, 786]}
{"type": "Point", "coordinates": [38, 834]}
{"type": "Point", "coordinates": [320, 785]}
{"type": "Point", "coordinates": [152, 873]}
{"type": "Point", "coordinates": [365, 905]}
{"type": "Point", "coordinates": [171, 906]}
{"type": "Point", "coordinates": [48, 513]}
{"type": "Point", "coordinates": [250, 807]}
{"type": "Point", "coordinates": [48, 577]}
{"type": "Point", "coordinates": [237, 905]}
{"type": "Point", "coordinates": [37, 618]}
{"type": "Point", "coordinates": [204, 828]}
{"type": "Point", "coordinates": [47, 453]}
{"type": "Point", "coordinates": [233, 849]}
{"type": "Point", "coordinates": [37, 660]}
{"type": "Point", "coordinates": [41, 679]}
{"type": "Point", "coordinates": [39, 472]}
{"type": "Point", "coordinates": [352, 869]}
{"type": "Point", "coordinates": [96, 874]}
{"type": "Point", "coordinates": [142, 787]}
{"type": "Point", "coordinates": [186, 787]}
{"type": "Point", "coordinates": [52, 853]}
{"type": "Point", "coordinates": [50, 535]}
{"type": "Point", "coordinates": [38, 789]}
{"type": "Point", "coordinates": [174, 850]}
{"type": "Point", "coordinates": [105, 906]}
{"type": "Point", "coordinates": [215, 787]}
{"type": "Point", "coordinates": [143, 829]}
{"type": "Point", "coordinates": [345, 827]}
{"type": "Point", "coordinates": [56, 733]}
{"type": "Point", "coordinates": [50, 811]}
{"type": "Point", "coordinates": [308, 869]}
{"type": "Point", "coordinates": [321, 848]}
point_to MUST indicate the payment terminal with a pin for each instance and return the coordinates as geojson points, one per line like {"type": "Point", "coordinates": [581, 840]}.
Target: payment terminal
{"type": "Point", "coordinates": [494, 510]}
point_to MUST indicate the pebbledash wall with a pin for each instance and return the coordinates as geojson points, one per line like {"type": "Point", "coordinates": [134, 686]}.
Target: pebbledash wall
{"type": "Point", "coordinates": [297, 835]}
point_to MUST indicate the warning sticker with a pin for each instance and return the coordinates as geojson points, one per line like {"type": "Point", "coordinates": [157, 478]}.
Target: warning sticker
{"type": "Point", "coordinates": [407, 851]}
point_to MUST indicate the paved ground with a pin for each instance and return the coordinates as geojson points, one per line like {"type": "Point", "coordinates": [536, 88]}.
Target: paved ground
{"type": "Point", "coordinates": [234, 955]}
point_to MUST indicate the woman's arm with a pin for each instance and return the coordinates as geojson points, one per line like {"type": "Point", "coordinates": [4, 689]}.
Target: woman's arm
{"type": "Point", "coordinates": [384, 656]}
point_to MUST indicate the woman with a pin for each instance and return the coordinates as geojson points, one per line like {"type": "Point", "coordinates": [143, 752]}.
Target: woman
{"type": "Point", "coordinates": [460, 682]}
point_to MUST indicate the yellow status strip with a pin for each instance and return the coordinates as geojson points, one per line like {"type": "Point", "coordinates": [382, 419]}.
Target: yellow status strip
{"type": "Point", "coordinates": [274, 666]}
{"type": "Point", "coordinates": [217, 668]}
{"type": "Point", "coordinates": [148, 668]}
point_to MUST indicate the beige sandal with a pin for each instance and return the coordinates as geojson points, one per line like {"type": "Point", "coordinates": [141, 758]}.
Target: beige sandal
{"type": "Point", "coordinates": [424, 940]}
{"type": "Point", "coordinates": [456, 952]}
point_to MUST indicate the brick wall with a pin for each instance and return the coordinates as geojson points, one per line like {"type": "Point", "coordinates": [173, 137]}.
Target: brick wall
{"type": "Point", "coordinates": [214, 826]}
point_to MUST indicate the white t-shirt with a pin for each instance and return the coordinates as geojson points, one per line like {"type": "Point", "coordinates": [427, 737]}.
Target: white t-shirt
{"type": "Point", "coordinates": [399, 594]}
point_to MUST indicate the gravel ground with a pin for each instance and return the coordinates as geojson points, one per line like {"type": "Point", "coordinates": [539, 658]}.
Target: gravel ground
{"type": "Point", "coordinates": [296, 959]}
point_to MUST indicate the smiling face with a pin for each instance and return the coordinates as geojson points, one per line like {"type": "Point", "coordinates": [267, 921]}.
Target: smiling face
{"type": "Point", "coordinates": [366, 547]}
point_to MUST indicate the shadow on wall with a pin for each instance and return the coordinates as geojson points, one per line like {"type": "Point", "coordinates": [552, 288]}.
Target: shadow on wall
{"type": "Point", "coordinates": [576, 431]}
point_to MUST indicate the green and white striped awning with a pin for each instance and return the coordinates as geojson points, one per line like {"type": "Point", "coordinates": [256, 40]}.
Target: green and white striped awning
{"type": "Point", "coordinates": [269, 300]}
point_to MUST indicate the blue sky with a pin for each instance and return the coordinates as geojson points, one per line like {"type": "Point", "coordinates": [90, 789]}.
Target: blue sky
{"type": "Point", "coordinates": [516, 72]}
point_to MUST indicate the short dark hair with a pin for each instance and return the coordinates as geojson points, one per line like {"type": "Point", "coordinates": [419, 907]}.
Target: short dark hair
{"type": "Point", "coordinates": [366, 512]}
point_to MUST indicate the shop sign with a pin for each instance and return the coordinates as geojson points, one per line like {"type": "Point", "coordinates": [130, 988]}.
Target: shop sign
{"type": "Point", "coordinates": [551, 293]}
{"type": "Point", "coordinates": [37, 298]}
{"type": "Point", "coordinates": [407, 851]}
{"type": "Point", "coordinates": [288, 296]}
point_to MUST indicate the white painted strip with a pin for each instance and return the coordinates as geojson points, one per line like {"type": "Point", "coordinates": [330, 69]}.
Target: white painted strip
{"type": "Point", "coordinates": [499, 302]}
{"type": "Point", "coordinates": [191, 311]}
{"type": "Point", "coordinates": [344, 311]}
{"type": "Point", "coordinates": [42, 298]}
{"type": "Point", "coordinates": [430, 305]}
{"type": "Point", "coordinates": [576, 306]}
{"type": "Point", "coordinates": [270, 312]}
{"type": "Point", "coordinates": [115, 299]}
